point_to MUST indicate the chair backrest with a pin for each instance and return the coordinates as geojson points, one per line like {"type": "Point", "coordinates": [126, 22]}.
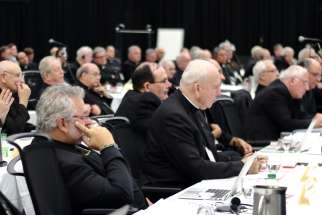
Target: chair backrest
{"type": "Point", "coordinates": [44, 180]}
{"type": "Point", "coordinates": [225, 113]}
{"type": "Point", "coordinates": [131, 143]}
{"type": "Point", "coordinates": [34, 81]}
{"type": "Point", "coordinates": [243, 100]}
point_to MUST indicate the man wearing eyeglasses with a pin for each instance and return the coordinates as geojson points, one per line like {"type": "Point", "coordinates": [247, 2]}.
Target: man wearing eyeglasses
{"type": "Point", "coordinates": [315, 70]}
{"type": "Point", "coordinates": [93, 180]}
{"type": "Point", "coordinates": [17, 117]}
{"type": "Point", "coordinates": [150, 88]}
{"type": "Point", "coordinates": [277, 107]}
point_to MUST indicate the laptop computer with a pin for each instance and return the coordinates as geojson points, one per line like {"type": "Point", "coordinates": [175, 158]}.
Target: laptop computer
{"type": "Point", "coordinates": [220, 194]}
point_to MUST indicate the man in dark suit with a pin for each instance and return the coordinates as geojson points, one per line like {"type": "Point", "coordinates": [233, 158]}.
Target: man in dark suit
{"type": "Point", "coordinates": [17, 117]}
{"type": "Point", "coordinates": [181, 148]}
{"type": "Point", "coordinates": [93, 180]}
{"type": "Point", "coordinates": [134, 58]}
{"type": "Point", "coordinates": [89, 78]}
{"type": "Point", "coordinates": [277, 107]}
{"type": "Point", "coordinates": [150, 87]}
{"type": "Point", "coordinates": [315, 70]}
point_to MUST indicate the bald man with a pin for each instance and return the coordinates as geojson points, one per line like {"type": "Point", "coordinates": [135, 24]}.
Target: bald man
{"type": "Point", "coordinates": [181, 148]}
{"type": "Point", "coordinates": [17, 117]}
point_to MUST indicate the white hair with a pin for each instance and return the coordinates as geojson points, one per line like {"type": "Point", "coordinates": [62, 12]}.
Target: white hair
{"type": "Point", "coordinates": [82, 51]}
{"type": "Point", "coordinates": [287, 51]}
{"type": "Point", "coordinates": [259, 68]}
{"type": "Point", "coordinates": [56, 103]}
{"type": "Point", "coordinates": [256, 52]}
{"type": "Point", "coordinates": [45, 65]}
{"type": "Point", "coordinates": [294, 71]}
{"type": "Point", "coordinates": [197, 70]}
{"type": "Point", "coordinates": [165, 63]}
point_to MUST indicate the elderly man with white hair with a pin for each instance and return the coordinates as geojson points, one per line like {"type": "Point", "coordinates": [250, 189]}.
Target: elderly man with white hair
{"type": "Point", "coordinates": [277, 107]}
{"type": "Point", "coordinates": [181, 148]}
{"type": "Point", "coordinates": [264, 73]}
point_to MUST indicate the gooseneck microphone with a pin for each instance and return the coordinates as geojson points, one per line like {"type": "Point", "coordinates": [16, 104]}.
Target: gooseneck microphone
{"type": "Point", "coordinates": [55, 42]}
{"type": "Point", "coordinates": [307, 39]}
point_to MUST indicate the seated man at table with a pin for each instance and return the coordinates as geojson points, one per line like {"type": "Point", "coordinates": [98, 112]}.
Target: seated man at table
{"type": "Point", "coordinates": [17, 117]}
{"type": "Point", "coordinates": [265, 73]}
{"type": "Point", "coordinates": [150, 87]}
{"type": "Point", "coordinates": [315, 70]}
{"type": "Point", "coordinates": [51, 72]}
{"type": "Point", "coordinates": [94, 180]}
{"type": "Point", "coordinates": [277, 107]}
{"type": "Point", "coordinates": [89, 78]}
{"type": "Point", "coordinates": [181, 149]}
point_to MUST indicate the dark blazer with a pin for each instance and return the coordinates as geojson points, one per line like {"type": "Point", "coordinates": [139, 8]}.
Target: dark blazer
{"type": "Point", "coordinates": [17, 117]}
{"type": "Point", "coordinates": [128, 68]}
{"type": "Point", "coordinates": [274, 111]}
{"type": "Point", "coordinates": [92, 98]}
{"type": "Point", "coordinates": [96, 180]}
{"type": "Point", "coordinates": [308, 103]}
{"type": "Point", "coordinates": [175, 153]}
{"type": "Point", "coordinates": [138, 108]}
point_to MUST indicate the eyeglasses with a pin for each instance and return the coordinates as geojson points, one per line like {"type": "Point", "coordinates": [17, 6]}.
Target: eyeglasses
{"type": "Point", "coordinates": [161, 82]}
{"type": "Point", "coordinates": [305, 82]}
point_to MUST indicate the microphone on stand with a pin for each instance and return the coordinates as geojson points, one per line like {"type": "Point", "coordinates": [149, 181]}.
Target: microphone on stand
{"type": "Point", "coordinates": [52, 41]}
{"type": "Point", "coordinates": [307, 39]}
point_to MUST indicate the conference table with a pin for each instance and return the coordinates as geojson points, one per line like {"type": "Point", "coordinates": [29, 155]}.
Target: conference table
{"type": "Point", "coordinates": [293, 165]}
{"type": "Point", "coordinates": [294, 171]}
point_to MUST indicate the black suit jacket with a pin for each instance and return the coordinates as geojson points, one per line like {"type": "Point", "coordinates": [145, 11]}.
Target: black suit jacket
{"type": "Point", "coordinates": [128, 68]}
{"type": "Point", "coordinates": [17, 117]}
{"type": "Point", "coordinates": [138, 108]}
{"type": "Point", "coordinates": [274, 111]}
{"type": "Point", "coordinates": [92, 98]}
{"type": "Point", "coordinates": [96, 180]}
{"type": "Point", "coordinates": [176, 151]}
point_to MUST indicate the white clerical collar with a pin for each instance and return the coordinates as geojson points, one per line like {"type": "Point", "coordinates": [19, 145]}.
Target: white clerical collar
{"type": "Point", "coordinates": [193, 104]}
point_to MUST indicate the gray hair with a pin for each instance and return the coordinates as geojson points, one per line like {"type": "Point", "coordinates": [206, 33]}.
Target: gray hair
{"type": "Point", "coordinates": [306, 53]}
{"type": "Point", "coordinates": [98, 49]}
{"type": "Point", "coordinates": [287, 51]}
{"type": "Point", "coordinates": [82, 51]}
{"type": "Point", "coordinates": [259, 68]}
{"type": "Point", "coordinates": [56, 103]}
{"type": "Point", "coordinates": [132, 48]}
{"type": "Point", "coordinates": [165, 63]}
{"type": "Point", "coordinates": [294, 71]}
{"type": "Point", "coordinates": [256, 52]}
{"type": "Point", "coordinates": [196, 71]}
{"type": "Point", "coordinates": [45, 65]}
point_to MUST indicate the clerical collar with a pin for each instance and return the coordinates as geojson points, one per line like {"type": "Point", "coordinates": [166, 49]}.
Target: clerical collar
{"type": "Point", "coordinates": [193, 104]}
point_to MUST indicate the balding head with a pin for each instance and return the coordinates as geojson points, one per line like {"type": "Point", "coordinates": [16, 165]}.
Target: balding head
{"type": "Point", "coordinates": [89, 75]}
{"type": "Point", "coordinates": [10, 75]}
{"type": "Point", "coordinates": [314, 69]}
{"type": "Point", "coordinates": [200, 83]}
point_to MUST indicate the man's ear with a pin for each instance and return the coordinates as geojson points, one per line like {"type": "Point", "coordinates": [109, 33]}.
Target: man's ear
{"type": "Point", "coordinates": [62, 125]}
{"type": "Point", "coordinates": [197, 89]}
{"type": "Point", "coordinates": [146, 86]}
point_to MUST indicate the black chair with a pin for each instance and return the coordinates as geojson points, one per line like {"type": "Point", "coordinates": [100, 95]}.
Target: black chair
{"type": "Point", "coordinates": [243, 101]}
{"type": "Point", "coordinates": [226, 113]}
{"type": "Point", "coordinates": [132, 146]}
{"type": "Point", "coordinates": [34, 81]}
{"type": "Point", "coordinates": [45, 183]}
{"type": "Point", "coordinates": [6, 206]}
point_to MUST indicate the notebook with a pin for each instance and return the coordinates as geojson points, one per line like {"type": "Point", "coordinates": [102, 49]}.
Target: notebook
{"type": "Point", "coordinates": [219, 194]}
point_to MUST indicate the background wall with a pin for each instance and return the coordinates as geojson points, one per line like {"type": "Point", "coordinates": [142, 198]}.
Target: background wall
{"type": "Point", "coordinates": [206, 22]}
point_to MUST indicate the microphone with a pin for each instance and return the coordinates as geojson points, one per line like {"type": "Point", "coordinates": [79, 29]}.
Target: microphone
{"type": "Point", "coordinates": [52, 41]}
{"type": "Point", "coordinates": [234, 206]}
{"type": "Point", "coordinates": [304, 39]}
